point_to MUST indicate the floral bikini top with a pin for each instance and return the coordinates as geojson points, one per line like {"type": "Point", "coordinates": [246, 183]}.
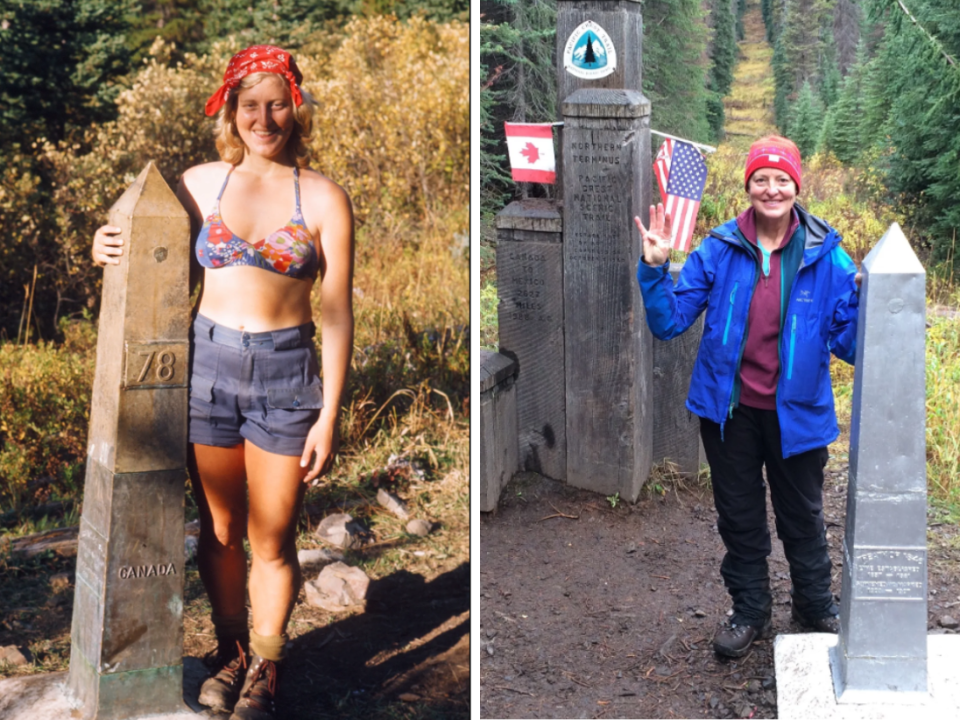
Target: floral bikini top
{"type": "Point", "coordinates": [289, 251]}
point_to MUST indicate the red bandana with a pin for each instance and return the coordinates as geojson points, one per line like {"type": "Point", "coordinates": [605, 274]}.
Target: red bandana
{"type": "Point", "coordinates": [257, 59]}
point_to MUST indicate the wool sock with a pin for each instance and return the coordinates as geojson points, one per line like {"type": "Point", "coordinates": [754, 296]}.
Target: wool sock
{"type": "Point", "coordinates": [269, 647]}
{"type": "Point", "coordinates": [231, 629]}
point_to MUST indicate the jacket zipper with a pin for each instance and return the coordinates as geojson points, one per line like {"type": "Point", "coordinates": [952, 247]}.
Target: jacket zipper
{"type": "Point", "coordinates": [793, 346]}
{"type": "Point", "coordinates": [733, 299]}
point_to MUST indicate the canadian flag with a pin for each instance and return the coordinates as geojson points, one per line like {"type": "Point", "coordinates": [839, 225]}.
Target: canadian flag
{"type": "Point", "coordinates": [530, 146]}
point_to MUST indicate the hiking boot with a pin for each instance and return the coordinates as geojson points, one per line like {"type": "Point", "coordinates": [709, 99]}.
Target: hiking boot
{"type": "Point", "coordinates": [826, 624]}
{"type": "Point", "coordinates": [222, 689]}
{"type": "Point", "coordinates": [258, 692]}
{"type": "Point", "coordinates": [734, 640]}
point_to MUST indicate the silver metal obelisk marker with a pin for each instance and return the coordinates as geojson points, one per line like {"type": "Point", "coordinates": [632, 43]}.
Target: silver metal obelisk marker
{"type": "Point", "coordinates": [127, 635]}
{"type": "Point", "coordinates": [881, 655]}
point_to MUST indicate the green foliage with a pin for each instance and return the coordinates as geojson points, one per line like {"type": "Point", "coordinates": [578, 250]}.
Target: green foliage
{"type": "Point", "coordinates": [489, 321]}
{"type": "Point", "coordinates": [766, 11]}
{"type": "Point", "coordinates": [724, 48]}
{"type": "Point", "coordinates": [841, 133]}
{"type": "Point", "coordinates": [829, 71]}
{"type": "Point", "coordinates": [806, 121]}
{"type": "Point", "coordinates": [781, 76]}
{"type": "Point", "coordinates": [715, 114]}
{"type": "Point", "coordinates": [196, 25]}
{"type": "Point", "coordinates": [518, 84]}
{"type": "Point", "coordinates": [673, 68]}
{"type": "Point", "coordinates": [913, 96]}
{"type": "Point", "coordinates": [60, 61]}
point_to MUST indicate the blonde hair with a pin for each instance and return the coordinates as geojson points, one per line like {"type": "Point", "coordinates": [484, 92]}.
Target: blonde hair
{"type": "Point", "coordinates": [232, 148]}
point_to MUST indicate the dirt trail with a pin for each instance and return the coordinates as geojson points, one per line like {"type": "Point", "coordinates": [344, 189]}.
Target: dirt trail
{"type": "Point", "coordinates": [748, 109]}
{"type": "Point", "coordinates": [611, 614]}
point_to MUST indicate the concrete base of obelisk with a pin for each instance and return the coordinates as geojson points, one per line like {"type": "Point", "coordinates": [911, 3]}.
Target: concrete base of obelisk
{"type": "Point", "coordinates": [805, 683]}
{"type": "Point", "coordinates": [46, 697]}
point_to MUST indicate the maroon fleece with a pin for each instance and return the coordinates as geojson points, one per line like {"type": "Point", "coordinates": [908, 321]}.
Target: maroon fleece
{"type": "Point", "coordinates": [760, 367]}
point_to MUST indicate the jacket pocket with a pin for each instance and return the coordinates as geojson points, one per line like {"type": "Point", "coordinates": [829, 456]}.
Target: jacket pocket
{"type": "Point", "coordinates": [806, 359]}
{"type": "Point", "coordinates": [303, 398]}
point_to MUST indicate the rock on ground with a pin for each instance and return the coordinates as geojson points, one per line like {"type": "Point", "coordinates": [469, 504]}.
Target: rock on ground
{"type": "Point", "coordinates": [316, 560]}
{"type": "Point", "coordinates": [339, 530]}
{"type": "Point", "coordinates": [339, 587]}
{"type": "Point", "coordinates": [11, 654]}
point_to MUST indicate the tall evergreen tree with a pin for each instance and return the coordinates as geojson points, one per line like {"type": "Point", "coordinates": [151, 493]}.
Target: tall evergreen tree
{"type": "Point", "coordinates": [674, 73]}
{"type": "Point", "coordinates": [802, 40]}
{"type": "Point", "coordinates": [922, 90]}
{"type": "Point", "coordinates": [828, 73]}
{"type": "Point", "coordinates": [782, 84]}
{"type": "Point", "coordinates": [846, 32]}
{"type": "Point", "coordinates": [841, 133]}
{"type": "Point", "coordinates": [724, 47]}
{"type": "Point", "coordinates": [806, 121]}
{"type": "Point", "coordinates": [518, 83]}
{"type": "Point", "coordinates": [60, 60]}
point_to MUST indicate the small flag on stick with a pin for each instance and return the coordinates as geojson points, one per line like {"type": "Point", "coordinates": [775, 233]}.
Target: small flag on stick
{"type": "Point", "coordinates": [530, 147]}
{"type": "Point", "coordinates": [681, 174]}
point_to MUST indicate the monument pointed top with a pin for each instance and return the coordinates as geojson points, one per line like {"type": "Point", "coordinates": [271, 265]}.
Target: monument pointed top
{"type": "Point", "coordinates": [893, 255]}
{"type": "Point", "coordinates": [149, 196]}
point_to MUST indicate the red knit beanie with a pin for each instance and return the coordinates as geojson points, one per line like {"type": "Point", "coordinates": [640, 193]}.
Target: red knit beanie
{"type": "Point", "coordinates": [777, 152]}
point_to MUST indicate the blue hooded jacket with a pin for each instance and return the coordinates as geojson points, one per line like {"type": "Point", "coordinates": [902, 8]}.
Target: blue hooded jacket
{"type": "Point", "coordinates": [818, 317]}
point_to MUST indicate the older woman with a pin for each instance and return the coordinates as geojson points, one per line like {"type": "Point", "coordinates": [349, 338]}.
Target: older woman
{"type": "Point", "coordinates": [265, 228]}
{"type": "Point", "coordinates": [780, 295]}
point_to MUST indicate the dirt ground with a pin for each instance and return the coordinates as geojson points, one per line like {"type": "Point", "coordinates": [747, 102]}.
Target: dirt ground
{"type": "Point", "coordinates": [406, 655]}
{"type": "Point", "coordinates": [592, 611]}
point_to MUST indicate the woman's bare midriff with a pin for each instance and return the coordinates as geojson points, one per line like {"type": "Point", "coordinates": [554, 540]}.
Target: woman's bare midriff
{"type": "Point", "coordinates": [254, 299]}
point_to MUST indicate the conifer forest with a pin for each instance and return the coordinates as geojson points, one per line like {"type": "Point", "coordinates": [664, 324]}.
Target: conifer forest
{"type": "Point", "coordinates": [874, 83]}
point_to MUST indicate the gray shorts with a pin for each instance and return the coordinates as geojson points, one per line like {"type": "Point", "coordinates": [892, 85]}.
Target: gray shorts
{"type": "Point", "coordinates": [262, 387]}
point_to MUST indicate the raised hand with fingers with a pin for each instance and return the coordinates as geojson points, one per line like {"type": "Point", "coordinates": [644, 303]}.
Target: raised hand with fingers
{"type": "Point", "coordinates": [656, 240]}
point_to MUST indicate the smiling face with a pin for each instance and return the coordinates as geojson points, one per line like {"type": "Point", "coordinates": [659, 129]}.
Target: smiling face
{"type": "Point", "coordinates": [265, 117]}
{"type": "Point", "coordinates": [772, 193]}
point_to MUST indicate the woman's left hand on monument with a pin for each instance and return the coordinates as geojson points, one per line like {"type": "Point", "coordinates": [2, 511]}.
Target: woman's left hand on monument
{"type": "Point", "coordinates": [323, 441]}
{"type": "Point", "coordinates": [107, 246]}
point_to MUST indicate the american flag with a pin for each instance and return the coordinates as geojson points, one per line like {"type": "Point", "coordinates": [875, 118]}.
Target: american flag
{"type": "Point", "coordinates": [681, 174]}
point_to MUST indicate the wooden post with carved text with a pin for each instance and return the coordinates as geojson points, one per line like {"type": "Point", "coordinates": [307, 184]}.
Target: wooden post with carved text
{"type": "Point", "coordinates": [530, 315]}
{"type": "Point", "coordinates": [607, 345]}
{"type": "Point", "coordinates": [127, 636]}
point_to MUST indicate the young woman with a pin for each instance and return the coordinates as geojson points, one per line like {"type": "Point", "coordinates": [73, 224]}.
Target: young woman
{"type": "Point", "coordinates": [780, 295]}
{"type": "Point", "coordinates": [265, 229]}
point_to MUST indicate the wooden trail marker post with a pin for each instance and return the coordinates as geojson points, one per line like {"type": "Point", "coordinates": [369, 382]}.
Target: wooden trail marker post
{"type": "Point", "coordinates": [127, 636]}
{"type": "Point", "coordinates": [608, 346]}
{"type": "Point", "coordinates": [881, 655]}
{"type": "Point", "coordinates": [606, 168]}
{"type": "Point", "coordinates": [571, 314]}
{"type": "Point", "coordinates": [530, 316]}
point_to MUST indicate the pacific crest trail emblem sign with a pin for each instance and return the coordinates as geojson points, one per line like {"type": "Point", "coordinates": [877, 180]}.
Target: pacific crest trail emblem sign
{"type": "Point", "coordinates": [589, 52]}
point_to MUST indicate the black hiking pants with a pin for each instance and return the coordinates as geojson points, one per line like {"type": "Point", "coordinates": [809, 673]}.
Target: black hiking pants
{"type": "Point", "coordinates": [751, 439]}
